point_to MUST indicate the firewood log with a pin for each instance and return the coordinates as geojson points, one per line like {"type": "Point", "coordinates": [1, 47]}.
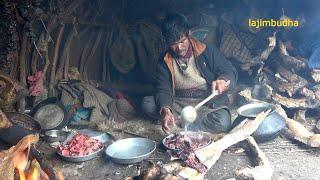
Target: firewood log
{"type": "Point", "coordinates": [262, 169]}
{"type": "Point", "coordinates": [289, 61]}
{"type": "Point", "coordinates": [297, 131]}
{"type": "Point", "coordinates": [210, 154]}
{"type": "Point", "coordinates": [8, 159]}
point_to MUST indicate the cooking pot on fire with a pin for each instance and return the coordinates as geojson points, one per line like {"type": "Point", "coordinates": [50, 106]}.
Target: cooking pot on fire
{"type": "Point", "coordinates": [269, 128]}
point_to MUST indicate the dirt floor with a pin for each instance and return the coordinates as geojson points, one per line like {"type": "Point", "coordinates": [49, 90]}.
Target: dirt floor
{"type": "Point", "coordinates": [290, 160]}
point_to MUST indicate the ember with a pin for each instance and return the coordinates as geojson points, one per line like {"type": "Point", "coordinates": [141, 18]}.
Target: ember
{"type": "Point", "coordinates": [80, 145]}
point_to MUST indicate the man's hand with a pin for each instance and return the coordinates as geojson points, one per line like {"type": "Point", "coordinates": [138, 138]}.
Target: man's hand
{"type": "Point", "coordinates": [167, 120]}
{"type": "Point", "coordinates": [220, 86]}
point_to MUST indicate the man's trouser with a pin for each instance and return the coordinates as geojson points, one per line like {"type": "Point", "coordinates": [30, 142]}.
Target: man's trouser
{"type": "Point", "coordinates": [213, 120]}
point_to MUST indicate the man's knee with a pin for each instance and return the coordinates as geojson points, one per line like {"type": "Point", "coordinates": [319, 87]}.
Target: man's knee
{"type": "Point", "coordinates": [149, 107]}
{"type": "Point", "coordinates": [221, 120]}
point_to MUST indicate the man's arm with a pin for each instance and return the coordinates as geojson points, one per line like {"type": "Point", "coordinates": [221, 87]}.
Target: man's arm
{"type": "Point", "coordinates": [164, 94]}
{"type": "Point", "coordinates": [224, 69]}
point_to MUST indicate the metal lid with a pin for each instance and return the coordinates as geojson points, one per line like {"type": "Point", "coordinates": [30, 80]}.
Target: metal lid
{"type": "Point", "coordinates": [50, 114]}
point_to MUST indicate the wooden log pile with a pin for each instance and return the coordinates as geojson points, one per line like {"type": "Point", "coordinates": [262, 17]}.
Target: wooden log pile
{"type": "Point", "coordinates": [283, 80]}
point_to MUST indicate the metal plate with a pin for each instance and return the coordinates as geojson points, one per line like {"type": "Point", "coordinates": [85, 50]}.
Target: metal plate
{"type": "Point", "coordinates": [130, 150]}
{"type": "Point", "coordinates": [206, 136]}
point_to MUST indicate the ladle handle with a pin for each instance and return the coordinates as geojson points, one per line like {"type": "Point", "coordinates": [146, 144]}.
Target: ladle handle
{"type": "Point", "coordinates": [208, 98]}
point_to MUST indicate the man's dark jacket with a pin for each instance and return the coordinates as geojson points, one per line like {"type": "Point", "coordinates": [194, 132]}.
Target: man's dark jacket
{"type": "Point", "coordinates": [211, 64]}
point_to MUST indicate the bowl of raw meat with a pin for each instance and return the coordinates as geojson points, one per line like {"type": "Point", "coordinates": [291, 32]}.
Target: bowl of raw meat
{"type": "Point", "coordinates": [182, 140]}
{"type": "Point", "coordinates": [80, 147]}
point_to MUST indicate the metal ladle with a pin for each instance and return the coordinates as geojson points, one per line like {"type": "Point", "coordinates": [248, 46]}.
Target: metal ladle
{"type": "Point", "coordinates": [189, 113]}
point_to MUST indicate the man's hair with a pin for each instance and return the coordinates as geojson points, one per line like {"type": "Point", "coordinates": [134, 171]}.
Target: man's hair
{"type": "Point", "coordinates": [174, 26]}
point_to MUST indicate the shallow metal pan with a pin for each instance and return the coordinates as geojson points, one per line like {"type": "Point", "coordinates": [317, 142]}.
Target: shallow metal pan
{"type": "Point", "coordinates": [130, 150]}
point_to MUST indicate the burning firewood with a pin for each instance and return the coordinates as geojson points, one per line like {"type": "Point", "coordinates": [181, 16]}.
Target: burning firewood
{"type": "Point", "coordinates": [9, 159]}
{"type": "Point", "coordinates": [297, 131]}
{"type": "Point", "coordinates": [262, 170]}
{"type": "Point", "coordinates": [15, 162]}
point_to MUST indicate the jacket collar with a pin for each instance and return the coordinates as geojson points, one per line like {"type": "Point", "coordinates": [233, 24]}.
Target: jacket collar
{"type": "Point", "coordinates": [197, 46]}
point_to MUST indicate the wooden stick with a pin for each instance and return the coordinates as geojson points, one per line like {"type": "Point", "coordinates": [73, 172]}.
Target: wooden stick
{"type": "Point", "coordinates": [65, 55]}
{"type": "Point", "coordinates": [84, 55]}
{"type": "Point", "coordinates": [22, 65]}
{"type": "Point", "coordinates": [104, 59]}
{"type": "Point", "coordinates": [55, 59]}
{"type": "Point", "coordinates": [263, 169]}
{"type": "Point", "coordinates": [35, 55]}
{"type": "Point", "coordinates": [94, 48]}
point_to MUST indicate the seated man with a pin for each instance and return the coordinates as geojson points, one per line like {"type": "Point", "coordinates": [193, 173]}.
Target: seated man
{"type": "Point", "coordinates": [188, 72]}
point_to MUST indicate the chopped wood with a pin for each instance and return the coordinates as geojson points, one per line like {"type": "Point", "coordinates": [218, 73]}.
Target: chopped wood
{"type": "Point", "coordinates": [297, 131]}
{"type": "Point", "coordinates": [299, 103]}
{"type": "Point", "coordinates": [315, 74]}
{"type": "Point", "coordinates": [265, 53]}
{"type": "Point", "coordinates": [289, 61]}
{"type": "Point", "coordinates": [262, 169]}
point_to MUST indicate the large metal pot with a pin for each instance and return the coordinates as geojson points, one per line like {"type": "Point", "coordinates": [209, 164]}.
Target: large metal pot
{"type": "Point", "coordinates": [269, 128]}
{"type": "Point", "coordinates": [22, 125]}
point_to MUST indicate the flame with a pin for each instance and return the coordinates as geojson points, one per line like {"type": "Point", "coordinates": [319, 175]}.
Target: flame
{"type": "Point", "coordinates": [22, 176]}
{"type": "Point", "coordinates": [33, 173]}
{"type": "Point", "coordinates": [21, 161]}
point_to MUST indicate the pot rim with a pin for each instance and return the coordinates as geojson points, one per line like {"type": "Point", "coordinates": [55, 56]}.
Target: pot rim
{"type": "Point", "coordinates": [245, 107]}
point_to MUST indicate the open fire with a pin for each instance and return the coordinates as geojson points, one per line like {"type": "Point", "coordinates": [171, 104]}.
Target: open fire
{"type": "Point", "coordinates": [28, 170]}
{"type": "Point", "coordinates": [18, 163]}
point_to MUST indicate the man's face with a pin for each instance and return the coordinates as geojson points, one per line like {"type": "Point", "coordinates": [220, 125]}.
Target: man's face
{"type": "Point", "coordinates": [181, 46]}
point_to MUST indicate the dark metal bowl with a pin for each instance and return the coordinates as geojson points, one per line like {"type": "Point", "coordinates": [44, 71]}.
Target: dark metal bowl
{"type": "Point", "coordinates": [269, 128]}
{"type": "Point", "coordinates": [56, 135]}
{"type": "Point", "coordinates": [130, 150]}
{"type": "Point", "coordinates": [22, 125]}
